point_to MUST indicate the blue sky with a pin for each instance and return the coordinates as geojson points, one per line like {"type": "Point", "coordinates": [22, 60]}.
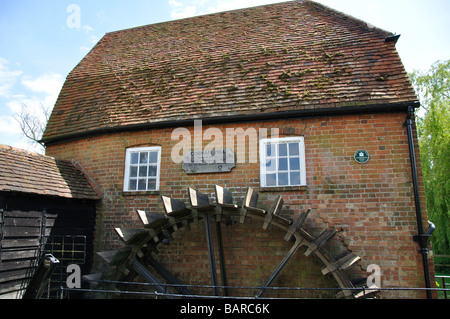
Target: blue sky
{"type": "Point", "coordinates": [42, 41]}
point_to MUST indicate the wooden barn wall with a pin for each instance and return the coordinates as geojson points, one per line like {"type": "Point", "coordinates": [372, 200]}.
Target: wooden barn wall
{"type": "Point", "coordinates": [31, 226]}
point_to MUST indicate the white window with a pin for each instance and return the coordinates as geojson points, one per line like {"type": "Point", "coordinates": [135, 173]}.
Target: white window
{"type": "Point", "coordinates": [282, 162]}
{"type": "Point", "coordinates": [142, 167]}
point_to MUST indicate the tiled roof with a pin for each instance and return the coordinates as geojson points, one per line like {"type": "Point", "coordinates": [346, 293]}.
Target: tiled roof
{"type": "Point", "coordinates": [26, 172]}
{"type": "Point", "coordinates": [294, 55]}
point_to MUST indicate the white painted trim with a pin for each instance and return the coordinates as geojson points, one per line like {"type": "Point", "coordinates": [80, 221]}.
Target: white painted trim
{"type": "Point", "coordinates": [276, 141]}
{"type": "Point", "coordinates": [126, 178]}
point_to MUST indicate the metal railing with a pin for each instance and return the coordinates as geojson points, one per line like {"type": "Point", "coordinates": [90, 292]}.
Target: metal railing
{"type": "Point", "coordinates": [166, 292]}
{"type": "Point", "coordinates": [444, 286]}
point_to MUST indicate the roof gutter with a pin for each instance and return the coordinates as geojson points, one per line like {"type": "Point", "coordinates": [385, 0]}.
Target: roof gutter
{"type": "Point", "coordinates": [304, 113]}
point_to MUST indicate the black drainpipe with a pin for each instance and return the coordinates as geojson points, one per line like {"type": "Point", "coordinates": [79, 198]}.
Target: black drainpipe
{"type": "Point", "coordinates": [421, 238]}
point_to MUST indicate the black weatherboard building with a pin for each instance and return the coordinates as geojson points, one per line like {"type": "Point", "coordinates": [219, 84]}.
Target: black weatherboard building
{"type": "Point", "coordinates": [46, 206]}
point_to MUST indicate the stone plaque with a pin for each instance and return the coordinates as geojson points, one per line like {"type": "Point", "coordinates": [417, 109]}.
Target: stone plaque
{"type": "Point", "coordinates": [209, 161]}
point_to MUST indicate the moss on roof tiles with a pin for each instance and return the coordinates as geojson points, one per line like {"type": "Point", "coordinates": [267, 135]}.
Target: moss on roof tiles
{"type": "Point", "coordinates": [291, 55]}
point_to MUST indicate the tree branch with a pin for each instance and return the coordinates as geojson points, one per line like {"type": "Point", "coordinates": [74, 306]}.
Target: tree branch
{"type": "Point", "coordinates": [32, 124]}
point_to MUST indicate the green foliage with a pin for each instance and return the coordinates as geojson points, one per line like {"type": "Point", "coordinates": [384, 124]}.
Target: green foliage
{"type": "Point", "coordinates": [433, 127]}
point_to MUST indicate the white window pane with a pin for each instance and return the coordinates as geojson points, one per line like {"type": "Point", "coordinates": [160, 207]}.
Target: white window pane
{"type": "Point", "coordinates": [134, 158]}
{"type": "Point", "coordinates": [283, 179]}
{"type": "Point", "coordinates": [132, 185]}
{"type": "Point", "coordinates": [270, 150]}
{"type": "Point", "coordinates": [143, 158]}
{"type": "Point", "coordinates": [271, 165]}
{"type": "Point", "coordinates": [282, 150]}
{"type": "Point", "coordinates": [295, 178]}
{"type": "Point", "coordinates": [142, 185]}
{"type": "Point", "coordinates": [133, 171]}
{"type": "Point", "coordinates": [142, 171]}
{"type": "Point", "coordinates": [152, 184]}
{"type": "Point", "coordinates": [153, 157]}
{"type": "Point", "coordinates": [152, 171]}
{"type": "Point", "coordinates": [294, 164]}
{"type": "Point", "coordinates": [282, 164]}
{"type": "Point", "coordinates": [294, 149]}
{"type": "Point", "coordinates": [271, 180]}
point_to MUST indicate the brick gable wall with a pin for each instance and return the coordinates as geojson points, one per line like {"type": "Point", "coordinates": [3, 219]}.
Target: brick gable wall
{"type": "Point", "coordinates": [372, 205]}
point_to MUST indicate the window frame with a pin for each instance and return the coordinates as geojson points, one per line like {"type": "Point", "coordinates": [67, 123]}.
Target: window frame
{"type": "Point", "coordinates": [128, 165]}
{"type": "Point", "coordinates": [263, 158]}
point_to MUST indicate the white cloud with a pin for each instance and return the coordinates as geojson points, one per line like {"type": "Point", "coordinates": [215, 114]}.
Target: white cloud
{"type": "Point", "coordinates": [94, 39]}
{"type": "Point", "coordinates": [7, 78]}
{"type": "Point", "coordinates": [48, 83]}
{"type": "Point", "coordinates": [17, 140]}
{"type": "Point", "coordinates": [185, 12]}
{"type": "Point", "coordinates": [87, 28]}
{"type": "Point", "coordinates": [182, 9]}
{"type": "Point", "coordinates": [46, 88]}
{"type": "Point", "coordinates": [35, 94]}
{"type": "Point", "coordinates": [10, 132]}
{"type": "Point", "coordinates": [174, 3]}
{"type": "Point", "coordinates": [84, 50]}
{"type": "Point", "coordinates": [9, 125]}
{"type": "Point", "coordinates": [188, 8]}
{"type": "Point", "coordinates": [33, 104]}
{"type": "Point", "coordinates": [225, 5]}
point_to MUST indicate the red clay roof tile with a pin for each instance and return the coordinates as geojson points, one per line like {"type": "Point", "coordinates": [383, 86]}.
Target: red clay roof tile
{"type": "Point", "coordinates": [26, 172]}
{"type": "Point", "coordinates": [287, 56]}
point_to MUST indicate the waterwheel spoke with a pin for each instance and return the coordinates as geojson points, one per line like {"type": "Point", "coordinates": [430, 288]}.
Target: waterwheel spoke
{"type": "Point", "coordinates": [200, 202]}
{"type": "Point", "coordinates": [212, 259]}
{"type": "Point", "coordinates": [223, 270]}
{"type": "Point", "coordinates": [147, 276]}
{"type": "Point", "coordinates": [170, 278]}
{"type": "Point", "coordinates": [279, 268]}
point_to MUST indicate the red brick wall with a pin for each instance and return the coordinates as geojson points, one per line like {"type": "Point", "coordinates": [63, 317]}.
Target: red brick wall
{"type": "Point", "coordinates": [371, 204]}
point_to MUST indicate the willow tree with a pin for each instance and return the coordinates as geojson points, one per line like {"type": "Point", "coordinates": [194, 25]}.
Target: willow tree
{"type": "Point", "coordinates": [433, 128]}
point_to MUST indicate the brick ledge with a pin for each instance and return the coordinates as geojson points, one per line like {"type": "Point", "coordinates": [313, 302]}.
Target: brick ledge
{"type": "Point", "coordinates": [283, 189]}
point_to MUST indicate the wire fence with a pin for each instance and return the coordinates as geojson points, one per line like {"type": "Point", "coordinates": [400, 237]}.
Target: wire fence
{"type": "Point", "coordinates": [168, 293]}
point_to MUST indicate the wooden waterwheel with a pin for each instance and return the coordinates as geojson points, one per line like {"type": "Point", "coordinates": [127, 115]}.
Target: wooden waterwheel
{"type": "Point", "coordinates": [136, 257]}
